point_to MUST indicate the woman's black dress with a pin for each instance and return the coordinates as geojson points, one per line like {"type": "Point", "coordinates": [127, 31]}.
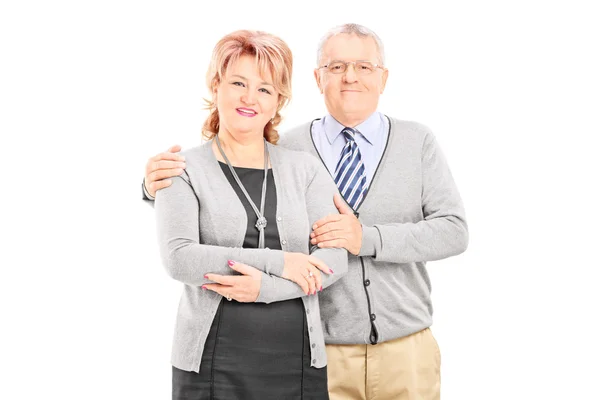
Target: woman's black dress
{"type": "Point", "coordinates": [254, 350]}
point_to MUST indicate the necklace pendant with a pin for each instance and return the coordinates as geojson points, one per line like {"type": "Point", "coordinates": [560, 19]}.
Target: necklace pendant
{"type": "Point", "coordinates": [261, 223]}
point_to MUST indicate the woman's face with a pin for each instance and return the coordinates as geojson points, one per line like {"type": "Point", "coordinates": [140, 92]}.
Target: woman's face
{"type": "Point", "coordinates": [246, 100]}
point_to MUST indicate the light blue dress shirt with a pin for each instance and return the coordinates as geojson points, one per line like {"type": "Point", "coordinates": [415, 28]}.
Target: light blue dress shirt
{"type": "Point", "coordinates": [371, 140]}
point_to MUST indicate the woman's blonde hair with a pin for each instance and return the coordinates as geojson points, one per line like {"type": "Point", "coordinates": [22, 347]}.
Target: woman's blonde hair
{"type": "Point", "coordinates": [272, 54]}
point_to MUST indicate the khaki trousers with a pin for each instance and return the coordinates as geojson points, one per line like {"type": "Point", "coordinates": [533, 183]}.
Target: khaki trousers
{"type": "Point", "coordinates": [407, 368]}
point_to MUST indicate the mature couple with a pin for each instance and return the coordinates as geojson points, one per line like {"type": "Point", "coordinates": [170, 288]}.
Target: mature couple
{"type": "Point", "coordinates": [259, 227]}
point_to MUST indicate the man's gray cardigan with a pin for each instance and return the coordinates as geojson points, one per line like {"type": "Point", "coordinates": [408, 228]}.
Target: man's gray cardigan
{"type": "Point", "coordinates": [201, 224]}
{"type": "Point", "coordinates": [411, 214]}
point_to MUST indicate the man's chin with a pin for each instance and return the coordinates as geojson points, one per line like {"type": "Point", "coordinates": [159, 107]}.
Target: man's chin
{"type": "Point", "coordinates": [355, 111]}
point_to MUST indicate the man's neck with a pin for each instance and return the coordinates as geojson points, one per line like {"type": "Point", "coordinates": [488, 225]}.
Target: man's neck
{"type": "Point", "coordinates": [350, 120]}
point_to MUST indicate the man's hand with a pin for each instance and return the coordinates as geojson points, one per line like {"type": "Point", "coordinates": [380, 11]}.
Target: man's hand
{"type": "Point", "coordinates": [244, 288]}
{"type": "Point", "coordinates": [161, 167]}
{"type": "Point", "coordinates": [342, 230]}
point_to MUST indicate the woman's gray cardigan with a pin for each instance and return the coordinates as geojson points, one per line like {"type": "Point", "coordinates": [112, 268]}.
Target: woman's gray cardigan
{"type": "Point", "coordinates": [201, 224]}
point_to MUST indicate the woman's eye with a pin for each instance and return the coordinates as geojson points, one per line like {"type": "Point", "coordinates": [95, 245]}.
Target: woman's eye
{"type": "Point", "coordinates": [265, 90]}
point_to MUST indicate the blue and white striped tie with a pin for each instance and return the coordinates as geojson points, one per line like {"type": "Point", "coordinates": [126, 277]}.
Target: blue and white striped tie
{"type": "Point", "coordinates": [350, 174]}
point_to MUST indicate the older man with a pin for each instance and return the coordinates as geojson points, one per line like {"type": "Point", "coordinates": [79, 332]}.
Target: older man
{"type": "Point", "coordinates": [399, 208]}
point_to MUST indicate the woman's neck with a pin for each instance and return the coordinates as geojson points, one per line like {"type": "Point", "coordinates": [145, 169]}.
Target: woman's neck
{"type": "Point", "coordinates": [247, 151]}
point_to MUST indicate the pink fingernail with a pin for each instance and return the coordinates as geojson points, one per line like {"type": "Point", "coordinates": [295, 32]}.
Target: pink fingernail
{"type": "Point", "coordinates": [203, 287]}
{"type": "Point", "coordinates": [205, 276]}
{"type": "Point", "coordinates": [330, 270]}
{"type": "Point", "coordinates": [230, 262]}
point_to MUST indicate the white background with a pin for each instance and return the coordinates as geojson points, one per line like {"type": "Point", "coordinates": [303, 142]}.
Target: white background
{"type": "Point", "coordinates": [90, 90]}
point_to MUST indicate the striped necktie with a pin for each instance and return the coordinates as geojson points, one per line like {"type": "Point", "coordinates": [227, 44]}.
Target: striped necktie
{"type": "Point", "coordinates": [350, 174]}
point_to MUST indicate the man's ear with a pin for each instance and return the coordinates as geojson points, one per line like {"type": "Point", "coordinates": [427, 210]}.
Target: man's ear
{"type": "Point", "coordinates": [384, 78]}
{"type": "Point", "coordinates": [318, 79]}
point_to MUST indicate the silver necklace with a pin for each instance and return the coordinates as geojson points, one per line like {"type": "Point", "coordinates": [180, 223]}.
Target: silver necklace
{"type": "Point", "coordinates": [261, 224]}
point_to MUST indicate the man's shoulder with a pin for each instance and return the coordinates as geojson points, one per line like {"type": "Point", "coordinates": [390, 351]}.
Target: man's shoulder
{"type": "Point", "coordinates": [298, 137]}
{"type": "Point", "coordinates": [410, 130]}
{"type": "Point", "coordinates": [294, 156]}
{"type": "Point", "coordinates": [407, 125]}
{"type": "Point", "coordinates": [301, 129]}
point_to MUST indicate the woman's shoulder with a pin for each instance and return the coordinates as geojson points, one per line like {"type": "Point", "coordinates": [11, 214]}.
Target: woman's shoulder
{"type": "Point", "coordinates": [196, 151]}
{"type": "Point", "coordinates": [199, 156]}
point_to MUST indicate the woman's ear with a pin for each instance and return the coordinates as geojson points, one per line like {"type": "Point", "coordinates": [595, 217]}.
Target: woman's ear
{"type": "Point", "coordinates": [215, 90]}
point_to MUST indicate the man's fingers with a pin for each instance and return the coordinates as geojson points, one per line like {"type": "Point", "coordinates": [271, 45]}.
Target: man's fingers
{"type": "Point", "coordinates": [341, 205]}
{"type": "Point", "coordinates": [174, 149]}
{"type": "Point", "coordinates": [333, 244]}
{"type": "Point", "coordinates": [166, 164]}
{"type": "Point", "coordinates": [328, 235]}
{"type": "Point", "coordinates": [163, 174]}
{"type": "Point", "coordinates": [327, 227]}
{"type": "Point", "coordinates": [244, 269]}
{"type": "Point", "coordinates": [167, 156]}
{"type": "Point", "coordinates": [327, 219]}
{"type": "Point", "coordinates": [320, 265]}
{"type": "Point", "coordinates": [153, 187]}
{"type": "Point", "coordinates": [153, 166]}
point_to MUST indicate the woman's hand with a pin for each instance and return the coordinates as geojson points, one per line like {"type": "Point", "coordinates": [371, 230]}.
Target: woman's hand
{"type": "Point", "coordinates": [244, 288]}
{"type": "Point", "coordinates": [305, 271]}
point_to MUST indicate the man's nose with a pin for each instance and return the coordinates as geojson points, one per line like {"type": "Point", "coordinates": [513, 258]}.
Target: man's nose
{"type": "Point", "coordinates": [350, 75]}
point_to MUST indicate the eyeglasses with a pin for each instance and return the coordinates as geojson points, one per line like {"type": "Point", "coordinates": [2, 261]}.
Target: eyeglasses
{"type": "Point", "coordinates": [360, 67]}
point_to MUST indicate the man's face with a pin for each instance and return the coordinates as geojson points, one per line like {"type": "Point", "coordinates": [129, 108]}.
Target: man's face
{"type": "Point", "coordinates": [352, 95]}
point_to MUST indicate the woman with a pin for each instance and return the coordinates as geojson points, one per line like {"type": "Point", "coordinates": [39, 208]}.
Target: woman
{"type": "Point", "coordinates": [244, 202]}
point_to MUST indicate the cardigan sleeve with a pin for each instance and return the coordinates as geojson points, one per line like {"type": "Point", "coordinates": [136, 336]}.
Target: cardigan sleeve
{"type": "Point", "coordinates": [319, 203]}
{"type": "Point", "coordinates": [185, 259]}
{"type": "Point", "coordinates": [443, 231]}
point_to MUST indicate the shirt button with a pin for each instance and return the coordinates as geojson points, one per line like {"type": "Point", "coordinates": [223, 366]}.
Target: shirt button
{"type": "Point", "coordinates": [373, 316]}
{"type": "Point", "coordinates": [311, 329]}
{"type": "Point", "coordinates": [314, 345]}
{"type": "Point", "coordinates": [314, 362]}
{"type": "Point", "coordinates": [308, 311]}
{"type": "Point", "coordinates": [367, 282]}
{"type": "Point", "coordinates": [284, 242]}
{"type": "Point", "coordinates": [279, 219]}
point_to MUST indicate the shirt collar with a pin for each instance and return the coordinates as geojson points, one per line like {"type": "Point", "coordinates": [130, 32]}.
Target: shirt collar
{"type": "Point", "coordinates": [368, 128]}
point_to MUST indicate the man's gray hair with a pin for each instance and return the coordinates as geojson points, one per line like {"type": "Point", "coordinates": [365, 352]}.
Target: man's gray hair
{"type": "Point", "coordinates": [356, 29]}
